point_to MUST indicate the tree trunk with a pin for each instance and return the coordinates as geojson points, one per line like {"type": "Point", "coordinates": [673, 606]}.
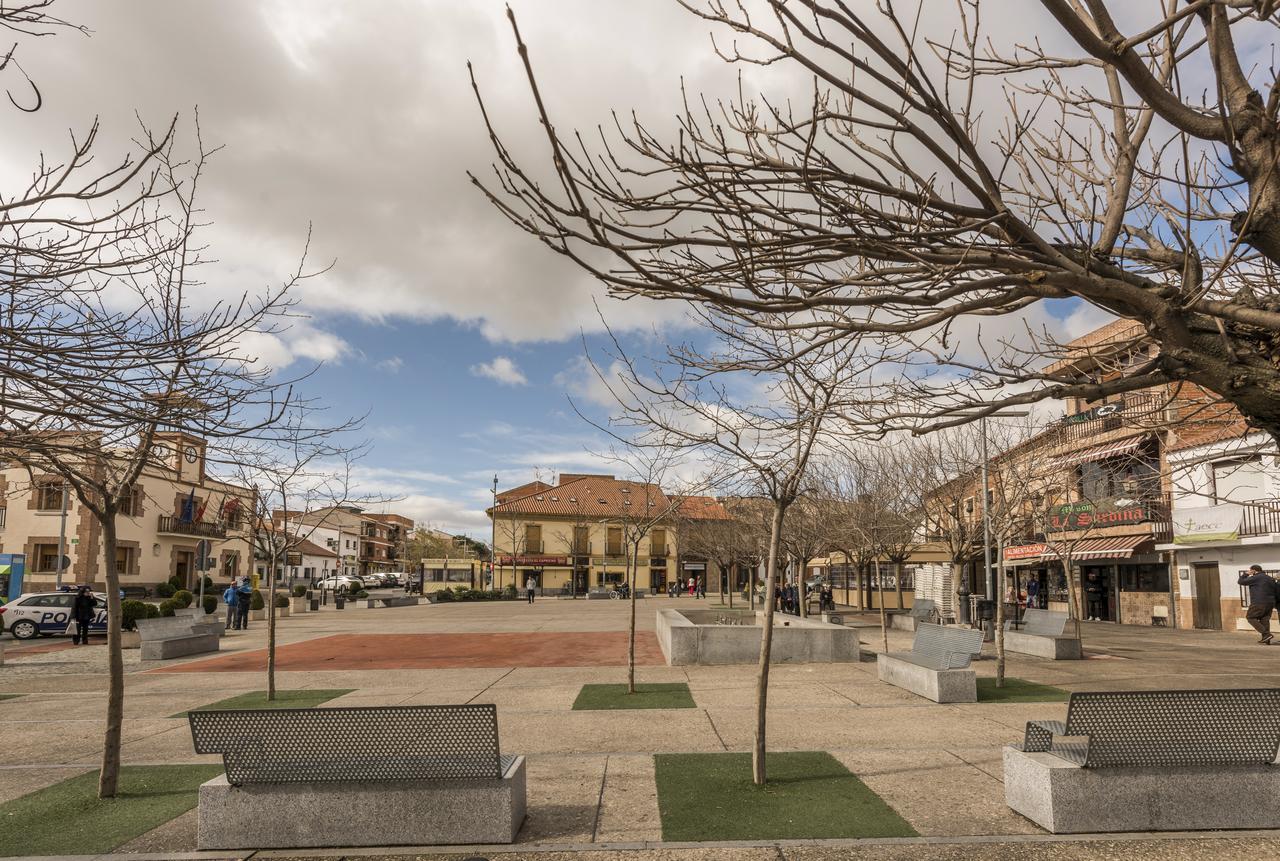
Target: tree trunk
{"type": "Point", "coordinates": [897, 580]}
{"type": "Point", "coordinates": [1000, 592]}
{"type": "Point", "coordinates": [632, 561]}
{"type": "Point", "coordinates": [802, 599]}
{"type": "Point", "coordinates": [271, 629]}
{"type": "Point", "coordinates": [109, 776]}
{"type": "Point", "coordinates": [730, 580]}
{"type": "Point", "coordinates": [758, 771]}
{"type": "Point", "coordinates": [884, 615]}
{"type": "Point", "coordinates": [1073, 596]}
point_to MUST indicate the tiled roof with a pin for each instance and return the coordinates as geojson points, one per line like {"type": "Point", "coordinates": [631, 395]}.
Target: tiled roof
{"type": "Point", "coordinates": [703, 508]}
{"type": "Point", "coordinates": [310, 548]}
{"type": "Point", "coordinates": [586, 496]}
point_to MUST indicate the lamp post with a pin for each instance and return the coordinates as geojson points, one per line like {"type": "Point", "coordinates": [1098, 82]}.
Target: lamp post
{"type": "Point", "coordinates": [62, 539]}
{"type": "Point", "coordinates": [493, 533]}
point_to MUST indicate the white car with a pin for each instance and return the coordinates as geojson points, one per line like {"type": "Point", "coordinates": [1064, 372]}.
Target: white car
{"type": "Point", "coordinates": [341, 583]}
{"type": "Point", "coordinates": [48, 613]}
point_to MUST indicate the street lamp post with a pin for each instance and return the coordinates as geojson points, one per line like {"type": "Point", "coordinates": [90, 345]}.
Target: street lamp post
{"type": "Point", "coordinates": [62, 539]}
{"type": "Point", "coordinates": [493, 533]}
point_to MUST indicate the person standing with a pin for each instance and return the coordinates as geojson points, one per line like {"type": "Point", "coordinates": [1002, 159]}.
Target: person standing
{"type": "Point", "coordinates": [702, 586]}
{"type": "Point", "coordinates": [1262, 601]}
{"type": "Point", "coordinates": [82, 612]}
{"type": "Point", "coordinates": [244, 599]}
{"type": "Point", "coordinates": [529, 586]}
{"type": "Point", "coordinates": [229, 597]}
{"type": "Point", "coordinates": [1093, 594]}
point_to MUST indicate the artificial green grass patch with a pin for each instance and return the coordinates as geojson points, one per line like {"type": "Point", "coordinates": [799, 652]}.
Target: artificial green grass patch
{"type": "Point", "coordinates": [710, 796]}
{"type": "Point", "coordinates": [657, 695]}
{"type": "Point", "coordinates": [9, 696]}
{"type": "Point", "coordinates": [303, 699]}
{"type": "Point", "coordinates": [68, 818]}
{"type": "Point", "coordinates": [1019, 691]}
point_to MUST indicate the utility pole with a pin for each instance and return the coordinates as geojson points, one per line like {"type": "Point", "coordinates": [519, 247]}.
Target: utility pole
{"type": "Point", "coordinates": [493, 536]}
{"type": "Point", "coordinates": [62, 540]}
{"type": "Point", "coordinates": [986, 515]}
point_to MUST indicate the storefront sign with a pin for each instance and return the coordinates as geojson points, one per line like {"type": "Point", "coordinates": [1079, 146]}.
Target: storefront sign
{"type": "Point", "coordinates": [1210, 523]}
{"type": "Point", "coordinates": [1096, 413]}
{"type": "Point", "coordinates": [533, 560]}
{"type": "Point", "coordinates": [1025, 551]}
{"type": "Point", "coordinates": [1087, 515]}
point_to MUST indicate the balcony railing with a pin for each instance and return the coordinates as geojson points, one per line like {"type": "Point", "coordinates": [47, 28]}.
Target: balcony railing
{"type": "Point", "coordinates": [658, 550]}
{"type": "Point", "coordinates": [1114, 417]}
{"type": "Point", "coordinates": [582, 548]}
{"type": "Point", "coordinates": [168, 524]}
{"type": "Point", "coordinates": [1261, 517]}
{"type": "Point", "coordinates": [3, 513]}
{"type": "Point", "coordinates": [533, 547]}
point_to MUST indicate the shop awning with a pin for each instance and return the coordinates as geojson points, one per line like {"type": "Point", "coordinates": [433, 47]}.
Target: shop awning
{"type": "Point", "coordinates": [1099, 452]}
{"type": "Point", "coordinates": [1121, 547]}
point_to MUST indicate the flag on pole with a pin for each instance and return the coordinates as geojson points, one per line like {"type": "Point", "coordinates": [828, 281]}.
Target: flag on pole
{"type": "Point", "coordinates": [189, 508]}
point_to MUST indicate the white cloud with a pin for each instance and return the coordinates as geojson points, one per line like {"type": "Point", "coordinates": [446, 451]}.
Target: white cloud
{"type": "Point", "coordinates": [502, 370]}
{"type": "Point", "coordinates": [391, 366]}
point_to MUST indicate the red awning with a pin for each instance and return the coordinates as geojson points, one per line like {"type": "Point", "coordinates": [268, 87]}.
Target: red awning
{"type": "Point", "coordinates": [1121, 547]}
{"type": "Point", "coordinates": [1099, 452]}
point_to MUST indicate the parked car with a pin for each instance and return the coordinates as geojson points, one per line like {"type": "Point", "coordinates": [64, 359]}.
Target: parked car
{"type": "Point", "coordinates": [341, 583]}
{"type": "Point", "coordinates": [48, 614]}
{"type": "Point", "coordinates": [394, 578]}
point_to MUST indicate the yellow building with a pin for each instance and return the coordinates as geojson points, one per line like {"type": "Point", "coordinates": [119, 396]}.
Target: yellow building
{"type": "Point", "coordinates": [576, 535]}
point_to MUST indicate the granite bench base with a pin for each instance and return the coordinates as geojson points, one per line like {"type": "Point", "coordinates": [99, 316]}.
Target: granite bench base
{"type": "Point", "coordinates": [406, 601]}
{"type": "Point", "coordinates": [903, 622]}
{"type": "Point", "coordinates": [941, 686]}
{"type": "Point", "coordinates": [177, 647]}
{"type": "Point", "coordinates": [400, 813]}
{"type": "Point", "coordinates": [1063, 798]}
{"type": "Point", "coordinates": [1053, 648]}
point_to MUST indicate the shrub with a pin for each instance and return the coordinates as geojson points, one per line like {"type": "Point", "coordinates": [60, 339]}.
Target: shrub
{"type": "Point", "coordinates": [165, 590]}
{"type": "Point", "coordinates": [153, 612]}
{"type": "Point", "coordinates": [208, 584]}
{"type": "Point", "coordinates": [444, 595]}
{"type": "Point", "coordinates": [281, 601]}
{"type": "Point", "coordinates": [510, 590]}
{"type": "Point", "coordinates": [255, 600]}
{"type": "Point", "coordinates": [176, 582]}
{"type": "Point", "coordinates": [167, 607]}
{"type": "Point", "coordinates": [130, 612]}
{"type": "Point", "coordinates": [362, 594]}
{"type": "Point", "coordinates": [183, 598]}
{"type": "Point", "coordinates": [210, 604]}
{"type": "Point", "coordinates": [299, 590]}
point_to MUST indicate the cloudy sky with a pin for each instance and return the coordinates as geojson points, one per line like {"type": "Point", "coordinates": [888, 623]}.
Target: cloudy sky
{"type": "Point", "coordinates": [457, 335]}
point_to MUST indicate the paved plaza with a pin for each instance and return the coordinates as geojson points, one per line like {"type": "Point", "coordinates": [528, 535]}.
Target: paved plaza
{"type": "Point", "coordinates": [591, 773]}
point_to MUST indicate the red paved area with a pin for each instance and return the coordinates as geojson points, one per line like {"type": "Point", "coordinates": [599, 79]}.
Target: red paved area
{"type": "Point", "coordinates": [440, 652]}
{"type": "Point", "coordinates": [14, 650]}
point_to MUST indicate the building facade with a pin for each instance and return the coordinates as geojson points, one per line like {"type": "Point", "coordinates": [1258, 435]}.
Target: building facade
{"type": "Point", "coordinates": [363, 543]}
{"type": "Point", "coordinates": [576, 535]}
{"type": "Point", "coordinates": [173, 516]}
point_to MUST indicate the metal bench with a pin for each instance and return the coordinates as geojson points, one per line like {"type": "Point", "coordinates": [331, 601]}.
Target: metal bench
{"type": "Point", "coordinates": [1163, 728]}
{"type": "Point", "coordinates": [922, 610]}
{"type": "Point", "coordinates": [1151, 760]}
{"type": "Point", "coordinates": [175, 636]}
{"type": "Point", "coordinates": [1043, 635]}
{"type": "Point", "coordinates": [937, 667]}
{"type": "Point", "coordinates": [434, 773]}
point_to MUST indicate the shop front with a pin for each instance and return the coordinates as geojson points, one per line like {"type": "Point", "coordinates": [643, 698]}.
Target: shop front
{"type": "Point", "coordinates": [1120, 578]}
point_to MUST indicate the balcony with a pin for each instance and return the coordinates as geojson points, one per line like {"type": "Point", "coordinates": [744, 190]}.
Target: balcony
{"type": "Point", "coordinates": [168, 524]}
{"type": "Point", "coordinates": [1112, 417]}
{"type": "Point", "coordinates": [581, 548]}
{"type": "Point", "coordinates": [658, 550]}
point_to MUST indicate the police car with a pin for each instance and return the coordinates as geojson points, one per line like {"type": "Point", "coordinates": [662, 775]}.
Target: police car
{"type": "Point", "coordinates": [48, 613]}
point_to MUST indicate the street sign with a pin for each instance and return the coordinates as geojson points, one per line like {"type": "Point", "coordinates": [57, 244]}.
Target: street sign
{"type": "Point", "coordinates": [64, 563]}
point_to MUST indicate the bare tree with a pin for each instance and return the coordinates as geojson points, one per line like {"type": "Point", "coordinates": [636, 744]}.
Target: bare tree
{"type": "Point", "coordinates": [940, 174]}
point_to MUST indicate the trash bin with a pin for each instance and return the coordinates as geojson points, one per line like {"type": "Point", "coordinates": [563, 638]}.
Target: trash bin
{"type": "Point", "coordinates": [986, 610]}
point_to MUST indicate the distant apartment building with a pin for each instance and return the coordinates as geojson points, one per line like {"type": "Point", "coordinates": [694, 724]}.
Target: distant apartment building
{"type": "Point", "coordinates": [173, 516]}
{"type": "Point", "coordinates": [571, 537]}
{"type": "Point", "coordinates": [364, 543]}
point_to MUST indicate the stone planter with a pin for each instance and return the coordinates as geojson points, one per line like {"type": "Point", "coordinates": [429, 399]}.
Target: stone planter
{"type": "Point", "coordinates": [298, 605]}
{"type": "Point", "coordinates": [282, 612]}
{"type": "Point", "coordinates": [258, 615]}
{"type": "Point", "coordinates": [130, 640]}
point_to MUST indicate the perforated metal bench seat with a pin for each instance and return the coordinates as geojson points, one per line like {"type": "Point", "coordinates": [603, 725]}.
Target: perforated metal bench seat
{"type": "Point", "coordinates": [1118, 729]}
{"type": "Point", "coordinates": [942, 648]}
{"type": "Point", "coordinates": [1041, 623]}
{"type": "Point", "coordinates": [374, 743]}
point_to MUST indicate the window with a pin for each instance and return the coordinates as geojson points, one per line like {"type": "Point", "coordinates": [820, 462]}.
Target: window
{"type": "Point", "coordinates": [131, 502]}
{"type": "Point", "coordinates": [1144, 578]}
{"type": "Point", "coordinates": [614, 542]}
{"type": "Point", "coordinates": [124, 555]}
{"type": "Point", "coordinates": [581, 546]}
{"type": "Point", "coordinates": [1239, 480]}
{"type": "Point", "coordinates": [230, 564]}
{"type": "Point", "coordinates": [658, 545]}
{"type": "Point", "coordinates": [46, 557]}
{"type": "Point", "coordinates": [968, 505]}
{"type": "Point", "coordinates": [611, 578]}
{"type": "Point", "coordinates": [49, 496]}
{"type": "Point", "coordinates": [1136, 475]}
{"type": "Point", "coordinates": [533, 538]}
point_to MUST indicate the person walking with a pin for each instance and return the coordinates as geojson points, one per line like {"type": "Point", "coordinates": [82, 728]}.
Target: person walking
{"type": "Point", "coordinates": [692, 585]}
{"type": "Point", "coordinates": [229, 597]}
{"type": "Point", "coordinates": [82, 612]}
{"type": "Point", "coordinates": [702, 586]}
{"type": "Point", "coordinates": [529, 586]}
{"type": "Point", "coordinates": [1262, 601]}
{"type": "Point", "coordinates": [244, 598]}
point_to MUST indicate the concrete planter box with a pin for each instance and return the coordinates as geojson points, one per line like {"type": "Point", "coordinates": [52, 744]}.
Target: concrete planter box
{"type": "Point", "coordinates": [258, 615]}
{"type": "Point", "coordinates": [282, 612]}
{"type": "Point", "coordinates": [1063, 798]}
{"type": "Point", "coordinates": [298, 605]}
{"type": "Point", "coordinates": [696, 637]}
{"type": "Point", "coordinates": [128, 640]}
{"type": "Point", "coordinates": [409, 813]}
{"type": "Point", "coordinates": [903, 622]}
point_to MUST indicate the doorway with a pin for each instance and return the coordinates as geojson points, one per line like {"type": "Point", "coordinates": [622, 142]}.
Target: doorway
{"type": "Point", "coordinates": [1206, 610]}
{"type": "Point", "coordinates": [581, 581]}
{"type": "Point", "coordinates": [182, 566]}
